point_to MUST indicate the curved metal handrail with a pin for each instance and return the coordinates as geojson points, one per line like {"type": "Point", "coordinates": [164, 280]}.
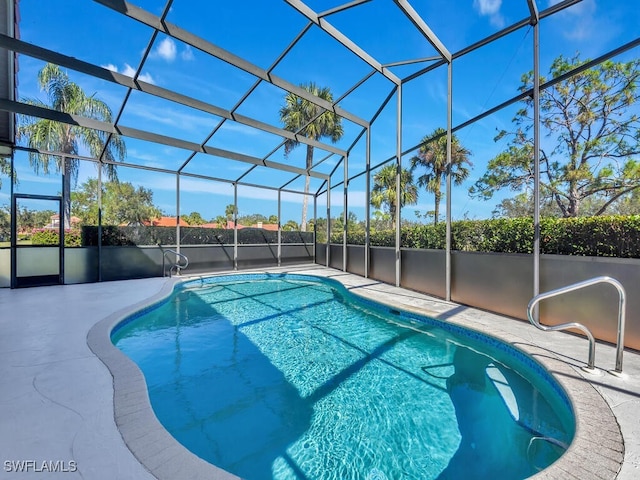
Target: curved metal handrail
{"type": "Point", "coordinates": [176, 264]}
{"type": "Point", "coordinates": [564, 326]}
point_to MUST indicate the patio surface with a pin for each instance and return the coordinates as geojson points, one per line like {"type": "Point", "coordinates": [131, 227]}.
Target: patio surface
{"type": "Point", "coordinates": [57, 397]}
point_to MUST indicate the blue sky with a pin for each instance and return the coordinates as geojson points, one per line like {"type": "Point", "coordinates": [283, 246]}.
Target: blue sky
{"type": "Point", "coordinates": [258, 31]}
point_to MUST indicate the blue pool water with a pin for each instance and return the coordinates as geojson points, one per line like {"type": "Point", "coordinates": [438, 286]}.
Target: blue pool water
{"type": "Point", "coordinates": [293, 377]}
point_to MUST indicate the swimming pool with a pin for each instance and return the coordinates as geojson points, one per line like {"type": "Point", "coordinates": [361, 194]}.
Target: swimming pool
{"type": "Point", "coordinates": [289, 376]}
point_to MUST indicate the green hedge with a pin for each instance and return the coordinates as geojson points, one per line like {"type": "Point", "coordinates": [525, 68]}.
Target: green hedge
{"type": "Point", "coordinates": [610, 236]}
{"type": "Point", "coordinates": [72, 238]}
{"type": "Point", "coordinates": [142, 235]}
{"type": "Point", "coordinates": [614, 236]}
{"type": "Point", "coordinates": [297, 237]}
{"type": "Point", "coordinates": [124, 236]}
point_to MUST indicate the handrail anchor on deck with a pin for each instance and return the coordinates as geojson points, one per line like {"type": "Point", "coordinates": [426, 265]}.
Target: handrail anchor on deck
{"type": "Point", "coordinates": [564, 326]}
{"type": "Point", "coordinates": [176, 263]}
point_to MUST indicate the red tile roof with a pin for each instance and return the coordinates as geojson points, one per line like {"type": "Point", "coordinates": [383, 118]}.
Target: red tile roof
{"type": "Point", "coordinates": [273, 227]}
{"type": "Point", "coordinates": [167, 222]}
{"type": "Point", "coordinates": [171, 222]}
{"type": "Point", "coordinates": [228, 226]}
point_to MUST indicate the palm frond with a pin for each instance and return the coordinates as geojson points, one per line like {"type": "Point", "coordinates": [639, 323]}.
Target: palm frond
{"type": "Point", "coordinates": [308, 119]}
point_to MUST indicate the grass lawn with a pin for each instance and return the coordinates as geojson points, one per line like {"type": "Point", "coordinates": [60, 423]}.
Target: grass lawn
{"type": "Point", "coordinates": [20, 242]}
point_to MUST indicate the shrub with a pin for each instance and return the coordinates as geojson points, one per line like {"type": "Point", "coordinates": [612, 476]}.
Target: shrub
{"type": "Point", "coordinates": [115, 236]}
{"type": "Point", "coordinates": [72, 238]}
{"type": "Point", "coordinates": [205, 236]}
{"type": "Point", "coordinates": [424, 236]}
{"type": "Point", "coordinates": [297, 237]}
{"type": "Point", "coordinates": [248, 236]}
{"type": "Point", "coordinates": [604, 236]}
{"type": "Point", "coordinates": [610, 236]}
{"type": "Point", "coordinates": [142, 235]}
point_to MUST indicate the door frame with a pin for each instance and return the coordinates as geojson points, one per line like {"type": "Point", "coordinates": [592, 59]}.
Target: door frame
{"type": "Point", "coordinates": [14, 235]}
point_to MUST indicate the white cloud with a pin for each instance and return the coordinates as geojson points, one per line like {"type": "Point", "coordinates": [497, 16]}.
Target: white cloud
{"type": "Point", "coordinates": [241, 128]}
{"type": "Point", "coordinates": [491, 9]}
{"type": "Point", "coordinates": [197, 186]}
{"type": "Point", "coordinates": [357, 199]}
{"type": "Point", "coordinates": [167, 50]}
{"type": "Point", "coordinates": [579, 21]}
{"type": "Point", "coordinates": [487, 7]}
{"type": "Point", "coordinates": [169, 116]}
{"type": "Point", "coordinates": [52, 178]}
{"type": "Point", "coordinates": [145, 113]}
{"type": "Point", "coordinates": [144, 158]}
{"type": "Point", "coordinates": [129, 71]}
{"type": "Point", "coordinates": [579, 8]}
{"type": "Point", "coordinates": [187, 53]}
{"type": "Point", "coordinates": [192, 185]}
{"type": "Point", "coordinates": [146, 77]}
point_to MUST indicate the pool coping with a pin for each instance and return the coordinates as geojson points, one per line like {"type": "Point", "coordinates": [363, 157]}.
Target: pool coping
{"type": "Point", "coordinates": [597, 450]}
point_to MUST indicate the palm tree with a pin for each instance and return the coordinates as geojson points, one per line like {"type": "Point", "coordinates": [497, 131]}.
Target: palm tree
{"type": "Point", "coordinates": [221, 220]}
{"type": "Point", "coordinates": [384, 189]}
{"type": "Point", "coordinates": [308, 119]}
{"type": "Point", "coordinates": [432, 156]}
{"type": "Point", "coordinates": [230, 211]}
{"type": "Point", "coordinates": [66, 96]}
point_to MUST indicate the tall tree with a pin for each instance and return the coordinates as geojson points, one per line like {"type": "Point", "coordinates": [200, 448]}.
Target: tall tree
{"type": "Point", "coordinates": [230, 211]}
{"type": "Point", "coordinates": [5, 223]}
{"type": "Point", "coordinates": [252, 219]}
{"type": "Point", "coordinates": [628, 205]}
{"type": "Point", "coordinates": [380, 220]}
{"type": "Point", "coordinates": [221, 220]}
{"type": "Point", "coordinates": [592, 135]}
{"type": "Point", "coordinates": [308, 119]}
{"type": "Point", "coordinates": [26, 220]}
{"type": "Point", "coordinates": [5, 168]}
{"type": "Point", "coordinates": [122, 204]}
{"type": "Point", "coordinates": [66, 96]}
{"type": "Point", "coordinates": [193, 219]}
{"type": "Point", "coordinates": [522, 206]}
{"type": "Point", "coordinates": [432, 158]}
{"type": "Point", "coordinates": [290, 226]}
{"type": "Point", "coordinates": [384, 189]}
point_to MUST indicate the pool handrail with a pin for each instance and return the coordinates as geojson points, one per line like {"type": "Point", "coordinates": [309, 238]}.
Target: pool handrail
{"type": "Point", "coordinates": [176, 264]}
{"type": "Point", "coordinates": [622, 295]}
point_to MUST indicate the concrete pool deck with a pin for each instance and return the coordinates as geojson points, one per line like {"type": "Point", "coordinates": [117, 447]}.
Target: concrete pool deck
{"type": "Point", "coordinates": [57, 397]}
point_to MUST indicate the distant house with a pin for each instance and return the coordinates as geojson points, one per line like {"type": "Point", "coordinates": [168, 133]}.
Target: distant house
{"type": "Point", "coordinates": [171, 222]}
{"type": "Point", "coordinates": [54, 222]}
{"type": "Point", "coordinates": [166, 222]}
{"type": "Point", "coordinates": [273, 227]}
{"type": "Point", "coordinates": [227, 226]}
